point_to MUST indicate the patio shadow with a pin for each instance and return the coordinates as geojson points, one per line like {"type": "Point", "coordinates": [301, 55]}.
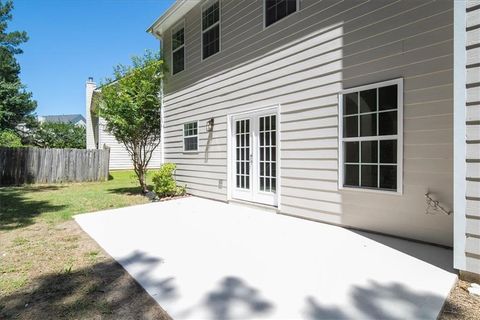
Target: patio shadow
{"type": "Point", "coordinates": [421, 251]}
{"type": "Point", "coordinates": [370, 302]}
{"type": "Point", "coordinates": [234, 291]}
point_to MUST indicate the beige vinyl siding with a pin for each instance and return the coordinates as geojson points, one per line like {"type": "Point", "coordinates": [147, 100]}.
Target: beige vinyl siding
{"type": "Point", "coordinates": [472, 244]}
{"type": "Point", "coordinates": [301, 63]}
{"type": "Point", "coordinates": [119, 158]}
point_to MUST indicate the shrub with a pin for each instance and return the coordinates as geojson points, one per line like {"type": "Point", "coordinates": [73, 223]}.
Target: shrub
{"type": "Point", "coordinates": [9, 139]}
{"type": "Point", "coordinates": [164, 182]}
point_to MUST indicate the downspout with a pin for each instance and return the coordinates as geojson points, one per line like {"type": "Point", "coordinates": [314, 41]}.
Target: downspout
{"type": "Point", "coordinates": [162, 115]}
{"type": "Point", "coordinates": [162, 123]}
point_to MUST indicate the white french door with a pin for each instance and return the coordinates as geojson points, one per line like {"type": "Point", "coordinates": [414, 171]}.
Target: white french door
{"type": "Point", "coordinates": [254, 157]}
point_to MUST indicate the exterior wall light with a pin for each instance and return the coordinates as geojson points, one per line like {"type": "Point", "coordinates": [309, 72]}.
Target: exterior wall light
{"type": "Point", "coordinates": [209, 125]}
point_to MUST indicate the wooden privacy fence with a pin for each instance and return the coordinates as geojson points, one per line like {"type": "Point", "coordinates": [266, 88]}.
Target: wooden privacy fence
{"type": "Point", "coordinates": [35, 165]}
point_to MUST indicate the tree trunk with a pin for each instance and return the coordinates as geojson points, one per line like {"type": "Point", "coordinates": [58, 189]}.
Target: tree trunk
{"type": "Point", "coordinates": [141, 180]}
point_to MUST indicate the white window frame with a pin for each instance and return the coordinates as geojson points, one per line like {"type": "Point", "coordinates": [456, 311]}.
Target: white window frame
{"type": "Point", "coordinates": [190, 136]}
{"type": "Point", "coordinates": [205, 5]}
{"type": "Point", "coordinates": [181, 23]}
{"type": "Point", "coordinates": [265, 14]}
{"type": "Point", "coordinates": [398, 137]}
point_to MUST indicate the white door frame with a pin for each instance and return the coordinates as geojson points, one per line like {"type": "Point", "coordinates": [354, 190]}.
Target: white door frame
{"type": "Point", "coordinates": [275, 109]}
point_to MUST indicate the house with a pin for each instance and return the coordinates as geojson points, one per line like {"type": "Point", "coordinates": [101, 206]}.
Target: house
{"type": "Point", "coordinates": [363, 114]}
{"type": "Point", "coordinates": [76, 119]}
{"type": "Point", "coordinates": [98, 137]}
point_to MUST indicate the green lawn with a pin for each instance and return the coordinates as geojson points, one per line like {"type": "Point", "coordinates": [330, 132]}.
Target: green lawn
{"type": "Point", "coordinates": [51, 269]}
{"type": "Point", "coordinates": [21, 206]}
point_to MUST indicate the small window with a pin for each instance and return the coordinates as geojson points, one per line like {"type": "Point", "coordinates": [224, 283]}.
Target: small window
{"type": "Point", "coordinates": [276, 10]}
{"type": "Point", "coordinates": [178, 48]}
{"type": "Point", "coordinates": [210, 29]}
{"type": "Point", "coordinates": [190, 136]}
{"type": "Point", "coordinates": [370, 137]}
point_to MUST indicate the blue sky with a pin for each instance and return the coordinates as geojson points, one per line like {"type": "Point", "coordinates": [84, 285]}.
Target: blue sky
{"type": "Point", "coordinates": [71, 40]}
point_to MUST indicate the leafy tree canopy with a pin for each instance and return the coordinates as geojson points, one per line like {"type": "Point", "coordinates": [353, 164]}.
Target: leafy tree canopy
{"type": "Point", "coordinates": [58, 135]}
{"type": "Point", "coordinates": [9, 139]}
{"type": "Point", "coordinates": [16, 104]}
{"type": "Point", "coordinates": [130, 105]}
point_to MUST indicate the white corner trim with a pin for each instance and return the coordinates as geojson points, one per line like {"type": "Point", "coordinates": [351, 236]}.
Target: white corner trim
{"type": "Point", "coordinates": [459, 133]}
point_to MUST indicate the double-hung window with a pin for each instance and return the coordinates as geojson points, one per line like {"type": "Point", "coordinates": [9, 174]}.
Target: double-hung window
{"type": "Point", "coordinates": [371, 148]}
{"type": "Point", "coordinates": [276, 10]}
{"type": "Point", "coordinates": [190, 136]}
{"type": "Point", "coordinates": [210, 28]}
{"type": "Point", "coordinates": [178, 48]}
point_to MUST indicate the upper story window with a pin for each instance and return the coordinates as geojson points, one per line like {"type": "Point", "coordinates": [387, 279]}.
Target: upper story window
{"type": "Point", "coordinates": [190, 136]}
{"type": "Point", "coordinates": [370, 122]}
{"type": "Point", "coordinates": [178, 48]}
{"type": "Point", "coordinates": [210, 28]}
{"type": "Point", "coordinates": [276, 10]}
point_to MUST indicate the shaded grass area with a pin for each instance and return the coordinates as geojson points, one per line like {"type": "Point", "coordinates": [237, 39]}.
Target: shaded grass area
{"type": "Point", "coordinates": [58, 272]}
{"type": "Point", "coordinates": [21, 206]}
{"type": "Point", "coordinates": [50, 269]}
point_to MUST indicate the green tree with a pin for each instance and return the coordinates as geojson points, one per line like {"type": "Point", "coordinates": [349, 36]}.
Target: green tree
{"type": "Point", "coordinates": [9, 139]}
{"type": "Point", "coordinates": [131, 108]}
{"type": "Point", "coordinates": [16, 104]}
{"type": "Point", "coordinates": [59, 135]}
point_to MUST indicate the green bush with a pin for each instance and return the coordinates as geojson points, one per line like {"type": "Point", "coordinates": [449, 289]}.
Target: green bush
{"type": "Point", "coordinates": [164, 182]}
{"type": "Point", "coordinates": [9, 139]}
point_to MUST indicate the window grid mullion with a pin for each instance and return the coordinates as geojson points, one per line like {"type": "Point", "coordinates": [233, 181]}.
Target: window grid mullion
{"type": "Point", "coordinates": [211, 27]}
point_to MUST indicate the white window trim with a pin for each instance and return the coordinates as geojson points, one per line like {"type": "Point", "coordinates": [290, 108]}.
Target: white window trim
{"type": "Point", "coordinates": [206, 4]}
{"type": "Point", "coordinates": [190, 136]}
{"type": "Point", "coordinates": [182, 22]}
{"type": "Point", "coordinates": [265, 14]}
{"type": "Point", "coordinates": [398, 137]}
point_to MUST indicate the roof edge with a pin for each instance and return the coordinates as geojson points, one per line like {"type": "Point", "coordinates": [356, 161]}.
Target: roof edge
{"type": "Point", "coordinates": [171, 16]}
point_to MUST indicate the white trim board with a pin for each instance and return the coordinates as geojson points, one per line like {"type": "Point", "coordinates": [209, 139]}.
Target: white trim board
{"type": "Point", "coordinates": [459, 133]}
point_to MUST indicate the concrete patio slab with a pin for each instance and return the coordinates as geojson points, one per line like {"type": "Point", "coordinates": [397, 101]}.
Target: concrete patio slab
{"type": "Point", "coordinates": [202, 259]}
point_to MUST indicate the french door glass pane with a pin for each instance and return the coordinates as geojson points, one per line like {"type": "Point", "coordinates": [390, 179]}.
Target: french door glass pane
{"type": "Point", "coordinates": [267, 157]}
{"type": "Point", "coordinates": [242, 137]}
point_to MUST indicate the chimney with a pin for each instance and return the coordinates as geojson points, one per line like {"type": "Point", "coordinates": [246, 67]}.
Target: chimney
{"type": "Point", "coordinates": [90, 87]}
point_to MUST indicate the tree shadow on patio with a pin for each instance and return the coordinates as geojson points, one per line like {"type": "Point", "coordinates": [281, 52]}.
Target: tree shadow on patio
{"type": "Point", "coordinates": [370, 302]}
{"type": "Point", "coordinates": [233, 293]}
{"type": "Point", "coordinates": [17, 211]}
{"type": "Point", "coordinates": [104, 290]}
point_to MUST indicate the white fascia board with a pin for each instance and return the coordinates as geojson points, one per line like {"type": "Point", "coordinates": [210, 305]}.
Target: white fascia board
{"type": "Point", "coordinates": [171, 16]}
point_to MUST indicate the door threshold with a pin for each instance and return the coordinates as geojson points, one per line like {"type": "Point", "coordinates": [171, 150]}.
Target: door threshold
{"type": "Point", "coordinates": [255, 205]}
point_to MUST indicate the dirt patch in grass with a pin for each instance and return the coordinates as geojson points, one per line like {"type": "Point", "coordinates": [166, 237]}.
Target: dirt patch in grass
{"type": "Point", "coordinates": [460, 304]}
{"type": "Point", "coordinates": [56, 271]}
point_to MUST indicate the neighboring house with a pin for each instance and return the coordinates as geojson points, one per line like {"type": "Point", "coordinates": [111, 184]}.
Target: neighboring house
{"type": "Point", "coordinates": [76, 119]}
{"type": "Point", "coordinates": [98, 137]}
{"type": "Point", "coordinates": [344, 112]}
